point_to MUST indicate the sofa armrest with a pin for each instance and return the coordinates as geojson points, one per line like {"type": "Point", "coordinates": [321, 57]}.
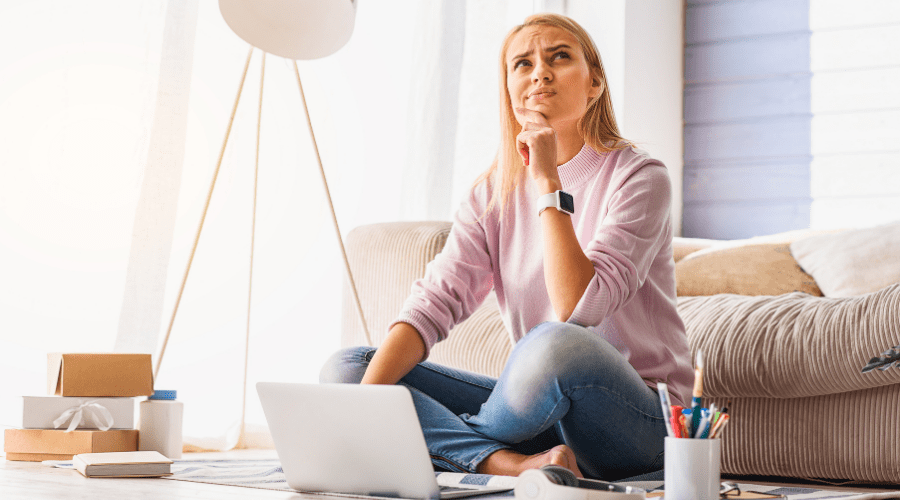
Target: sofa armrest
{"type": "Point", "coordinates": [386, 259]}
{"type": "Point", "coordinates": [793, 345]}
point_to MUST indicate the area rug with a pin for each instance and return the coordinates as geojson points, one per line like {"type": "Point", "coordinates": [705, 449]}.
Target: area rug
{"type": "Point", "coordinates": [267, 474]}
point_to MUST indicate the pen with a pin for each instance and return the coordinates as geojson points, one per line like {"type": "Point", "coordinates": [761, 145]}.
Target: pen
{"type": "Point", "coordinates": [702, 431]}
{"type": "Point", "coordinates": [696, 401]}
{"type": "Point", "coordinates": [719, 425]}
{"type": "Point", "coordinates": [666, 408]}
{"type": "Point", "coordinates": [687, 413]}
{"type": "Point", "coordinates": [713, 415]}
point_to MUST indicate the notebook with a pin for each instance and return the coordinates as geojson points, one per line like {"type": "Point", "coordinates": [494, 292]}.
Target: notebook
{"type": "Point", "coordinates": [357, 439]}
{"type": "Point", "coordinates": [123, 464]}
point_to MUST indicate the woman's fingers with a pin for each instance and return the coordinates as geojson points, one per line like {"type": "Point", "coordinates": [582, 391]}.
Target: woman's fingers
{"type": "Point", "coordinates": [536, 142]}
{"type": "Point", "coordinates": [531, 115]}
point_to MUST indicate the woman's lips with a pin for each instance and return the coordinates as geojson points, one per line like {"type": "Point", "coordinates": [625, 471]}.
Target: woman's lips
{"type": "Point", "coordinates": [541, 93]}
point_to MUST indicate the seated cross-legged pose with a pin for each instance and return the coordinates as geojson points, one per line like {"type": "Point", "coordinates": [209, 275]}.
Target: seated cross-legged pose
{"type": "Point", "coordinates": [571, 228]}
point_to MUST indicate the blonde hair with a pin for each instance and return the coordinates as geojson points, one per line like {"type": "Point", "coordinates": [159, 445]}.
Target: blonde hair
{"type": "Point", "coordinates": [597, 126]}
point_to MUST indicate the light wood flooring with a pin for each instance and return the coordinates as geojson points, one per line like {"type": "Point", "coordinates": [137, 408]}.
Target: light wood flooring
{"type": "Point", "coordinates": [34, 481]}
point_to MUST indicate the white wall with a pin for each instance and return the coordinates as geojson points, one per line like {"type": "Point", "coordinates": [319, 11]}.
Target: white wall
{"type": "Point", "coordinates": [641, 43]}
{"type": "Point", "coordinates": [855, 60]}
{"type": "Point", "coordinates": [654, 86]}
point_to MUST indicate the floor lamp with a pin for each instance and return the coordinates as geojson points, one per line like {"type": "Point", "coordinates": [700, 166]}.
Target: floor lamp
{"type": "Point", "coordinates": [293, 29]}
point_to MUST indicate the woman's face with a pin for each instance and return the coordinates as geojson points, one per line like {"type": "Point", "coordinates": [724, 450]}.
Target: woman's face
{"type": "Point", "coordinates": [546, 71]}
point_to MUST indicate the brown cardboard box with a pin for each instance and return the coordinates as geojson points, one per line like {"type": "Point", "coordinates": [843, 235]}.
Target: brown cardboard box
{"type": "Point", "coordinates": [99, 375]}
{"type": "Point", "coordinates": [35, 445]}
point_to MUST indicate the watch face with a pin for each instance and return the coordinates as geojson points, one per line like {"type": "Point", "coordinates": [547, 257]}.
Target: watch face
{"type": "Point", "coordinates": [566, 202]}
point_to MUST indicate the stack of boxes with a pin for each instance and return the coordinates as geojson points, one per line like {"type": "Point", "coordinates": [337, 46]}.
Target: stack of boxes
{"type": "Point", "coordinates": [88, 392]}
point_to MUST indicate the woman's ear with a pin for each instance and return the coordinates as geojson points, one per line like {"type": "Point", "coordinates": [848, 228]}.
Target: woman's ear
{"type": "Point", "coordinates": [597, 88]}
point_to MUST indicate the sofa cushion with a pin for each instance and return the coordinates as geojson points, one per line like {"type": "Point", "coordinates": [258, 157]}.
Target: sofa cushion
{"type": "Point", "coordinates": [853, 262]}
{"type": "Point", "coordinates": [761, 269]}
{"type": "Point", "coordinates": [793, 345]}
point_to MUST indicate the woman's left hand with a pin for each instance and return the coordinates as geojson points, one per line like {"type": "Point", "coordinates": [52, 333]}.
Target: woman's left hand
{"type": "Point", "coordinates": [537, 146]}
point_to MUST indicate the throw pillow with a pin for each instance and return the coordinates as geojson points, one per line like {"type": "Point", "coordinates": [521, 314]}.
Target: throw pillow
{"type": "Point", "coordinates": [853, 262]}
{"type": "Point", "coordinates": [682, 247]}
{"type": "Point", "coordinates": [764, 269]}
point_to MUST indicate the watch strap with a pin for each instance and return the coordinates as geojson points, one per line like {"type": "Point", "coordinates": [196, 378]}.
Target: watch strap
{"type": "Point", "coordinates": [560, 200]}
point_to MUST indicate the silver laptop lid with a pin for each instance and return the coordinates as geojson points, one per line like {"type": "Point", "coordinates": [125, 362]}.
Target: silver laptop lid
{"type": "Point", "coordinates": [347, 438]}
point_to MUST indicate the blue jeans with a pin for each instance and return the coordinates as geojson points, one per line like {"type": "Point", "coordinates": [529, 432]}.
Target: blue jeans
{"type": "Point", "coordinates": [562, 384]}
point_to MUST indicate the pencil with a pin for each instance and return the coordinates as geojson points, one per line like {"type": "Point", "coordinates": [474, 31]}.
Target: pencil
{"type": "Point", "coordinates": [696, 402]}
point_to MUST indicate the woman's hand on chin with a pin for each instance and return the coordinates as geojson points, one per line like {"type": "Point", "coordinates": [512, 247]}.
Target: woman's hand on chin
{"type": "Point", "coordinates": [536, 144]}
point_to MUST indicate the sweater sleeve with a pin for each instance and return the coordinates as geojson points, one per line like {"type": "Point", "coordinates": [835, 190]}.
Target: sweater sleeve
{"type": "Point", "coordinates": [456, 282]}
{"type": "Point", "coordinates": [626, 243]}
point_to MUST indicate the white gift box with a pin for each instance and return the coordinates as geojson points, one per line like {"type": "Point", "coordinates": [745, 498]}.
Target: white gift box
{"type": "Point", "coordinates": [39, 412]}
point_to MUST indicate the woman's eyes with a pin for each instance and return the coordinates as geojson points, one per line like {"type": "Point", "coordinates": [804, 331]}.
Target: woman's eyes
{"type": "Point", "coordinates": [525, 62]}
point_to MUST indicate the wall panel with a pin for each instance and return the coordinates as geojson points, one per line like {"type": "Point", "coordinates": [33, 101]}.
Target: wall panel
{"type": "Point", "coordinates": [747, 117]}
{"type": "Point", "coordinates": [855, 97]}
{"type": "Point", "coordinates": [747, 59]}
{"type": "Point", "coordinates": [746, 19]}
{"type": "Point", "coordinates": [728, 220]}
{"type": "Point", "coordinates": [722, 102]}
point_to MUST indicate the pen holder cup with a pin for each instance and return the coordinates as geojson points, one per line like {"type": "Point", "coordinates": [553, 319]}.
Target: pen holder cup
{"type": "Point", "coordinates": [692, 470]}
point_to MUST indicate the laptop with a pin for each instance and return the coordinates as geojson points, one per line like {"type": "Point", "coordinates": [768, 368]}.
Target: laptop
{"type": "Point", "coordinates": [355, 439]}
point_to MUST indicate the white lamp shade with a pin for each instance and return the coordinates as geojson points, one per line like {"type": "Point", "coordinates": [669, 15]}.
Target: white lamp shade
{"type": "Point", "coordinates": [295, 29]}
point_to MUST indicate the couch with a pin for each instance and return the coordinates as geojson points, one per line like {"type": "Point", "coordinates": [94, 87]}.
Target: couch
{"type": "Point", "coordinates": [781, 355]}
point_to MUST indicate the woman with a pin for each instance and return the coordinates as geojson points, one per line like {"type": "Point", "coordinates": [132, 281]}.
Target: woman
{"type": "Point", "coordinates": [594, 290]}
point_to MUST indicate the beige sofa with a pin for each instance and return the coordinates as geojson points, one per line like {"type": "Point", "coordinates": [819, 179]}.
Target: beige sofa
{"type": "Point", "coordinates": [785, 363]}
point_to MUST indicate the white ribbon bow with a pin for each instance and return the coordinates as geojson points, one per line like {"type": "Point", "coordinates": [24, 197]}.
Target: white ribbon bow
{"type": "Point", "coordinates": [98, 414]}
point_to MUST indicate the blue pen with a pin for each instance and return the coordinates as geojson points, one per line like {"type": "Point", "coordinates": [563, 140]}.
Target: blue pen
{"type": "Point", "coordinates": [696, 402]}
{"type": "Point", "coordinates": [703, 429]}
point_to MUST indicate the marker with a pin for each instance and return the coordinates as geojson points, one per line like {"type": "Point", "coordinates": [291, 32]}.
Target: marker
{"type": "Point", "coordinates": [676, 426]}
{"type": "Point", "coordinates": [683, 424]}
{"type": "Point", "coordinates": [666, 407]}
{"type": "Point", "coordinates": [687, 413]}
{"type": "Point", "coordinates": [696, 401]}
{"type": "Point", "coordinates": [675, 411]}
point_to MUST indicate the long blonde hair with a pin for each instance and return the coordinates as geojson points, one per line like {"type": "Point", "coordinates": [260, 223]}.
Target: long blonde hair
{"type": "Point", "coordinates": [597, 127]}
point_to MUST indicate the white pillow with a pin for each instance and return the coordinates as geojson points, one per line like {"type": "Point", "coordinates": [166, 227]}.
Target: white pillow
{"type": "Point", "coordinates": [853, 262]}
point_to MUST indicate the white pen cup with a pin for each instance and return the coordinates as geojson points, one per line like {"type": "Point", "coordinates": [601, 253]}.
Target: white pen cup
{"type": "Point", "coordinates": [693, 469]}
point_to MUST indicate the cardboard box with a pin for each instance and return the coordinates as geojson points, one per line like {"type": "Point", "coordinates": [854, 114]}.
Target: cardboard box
{"type": "Point", "coordinates": [39, 412]}
{"type": "Point", "coordinates": [34, 445]}
{"type": "Point", "coordinates": [99, 375]}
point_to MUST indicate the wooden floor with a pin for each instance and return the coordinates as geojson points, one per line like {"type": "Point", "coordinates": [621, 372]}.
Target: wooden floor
{"type": "Point", "coordinates": [34, 481]}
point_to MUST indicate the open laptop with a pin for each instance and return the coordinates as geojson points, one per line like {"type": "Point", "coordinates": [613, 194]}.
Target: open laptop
{"type": "Point", "coordinates": [347, 438]}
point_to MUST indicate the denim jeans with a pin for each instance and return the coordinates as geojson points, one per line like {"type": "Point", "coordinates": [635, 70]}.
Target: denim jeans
{"type": "Point", "coordinates": [562, 384]}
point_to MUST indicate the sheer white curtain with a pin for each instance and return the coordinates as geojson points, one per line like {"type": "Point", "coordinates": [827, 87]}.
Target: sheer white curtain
{"type": "Point", "coordinates": [390, 112]}
{"type": "Point", "coordinates": [77, 96]}
{"type": "Point", "coordinates": [405, 110]}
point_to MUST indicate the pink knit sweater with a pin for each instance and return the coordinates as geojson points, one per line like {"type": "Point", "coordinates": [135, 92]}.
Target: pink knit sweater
{"type": "Point", "coordinates": [623, 222]}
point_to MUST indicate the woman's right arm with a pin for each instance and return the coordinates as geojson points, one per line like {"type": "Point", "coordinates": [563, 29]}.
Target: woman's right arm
{"type": "Point", "coordinates": [396, 356]}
